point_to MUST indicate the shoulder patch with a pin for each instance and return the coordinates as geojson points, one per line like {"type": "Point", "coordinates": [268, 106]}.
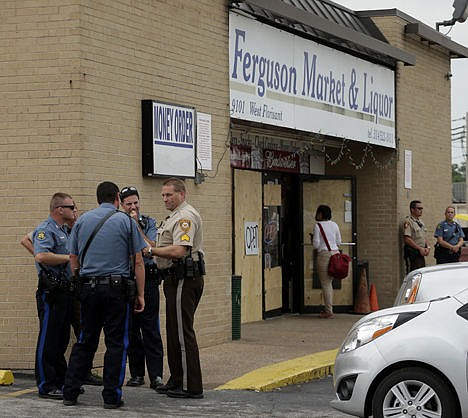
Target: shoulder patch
{"type": "Point", "coordinates": [40, 235]}
{"type": "Point", "coordinates": [406, 225]}
{"type": "Point", "coordinates": [185, 225]}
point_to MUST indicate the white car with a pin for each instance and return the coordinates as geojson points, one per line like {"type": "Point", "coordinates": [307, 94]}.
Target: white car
{"type": "Point", "coordinates": [433, 282]}
{"type": "Point", "coordinates": [410, 361]}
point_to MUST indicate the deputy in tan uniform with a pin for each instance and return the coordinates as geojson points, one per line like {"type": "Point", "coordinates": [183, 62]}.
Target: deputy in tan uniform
{"type": "Point", "coordinates": [179, 258]}
{"type": "Point", "coordinates": [414, 236]}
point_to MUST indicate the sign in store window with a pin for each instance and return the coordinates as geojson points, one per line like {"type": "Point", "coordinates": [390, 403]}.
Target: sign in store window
{"type": "Point", "coordinates": [271, 230]}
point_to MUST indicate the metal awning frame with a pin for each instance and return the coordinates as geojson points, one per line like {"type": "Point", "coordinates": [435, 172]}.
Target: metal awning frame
{"type": "Point", "coordinates": [280, 8]}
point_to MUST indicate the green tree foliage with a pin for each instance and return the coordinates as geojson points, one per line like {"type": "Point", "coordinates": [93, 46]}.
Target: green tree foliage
{"type": "Point", "coordinates": [459, 173]}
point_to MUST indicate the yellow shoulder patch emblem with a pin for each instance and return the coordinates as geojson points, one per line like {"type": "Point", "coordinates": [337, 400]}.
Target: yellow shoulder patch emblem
{"type": "Point", "coordinates": [185, 225]}
{"type": "Point", "coordinates": [40, 235]}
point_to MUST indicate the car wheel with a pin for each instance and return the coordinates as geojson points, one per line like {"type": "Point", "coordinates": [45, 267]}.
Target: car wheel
{"type": "Point", "coordinates": [413, 392]}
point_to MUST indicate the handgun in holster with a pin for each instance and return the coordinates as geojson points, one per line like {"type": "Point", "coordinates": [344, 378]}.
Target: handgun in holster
{"type": "Point", "coordinates": [189, 267]}
{"type": "Point", "coordinates": [48, 281]}
{"type": "Point", "coordinates": [201, 264]}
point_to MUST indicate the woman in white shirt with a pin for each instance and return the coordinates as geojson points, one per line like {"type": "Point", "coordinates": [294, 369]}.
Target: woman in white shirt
{"type": "Point", "coordinates": [332, 232]}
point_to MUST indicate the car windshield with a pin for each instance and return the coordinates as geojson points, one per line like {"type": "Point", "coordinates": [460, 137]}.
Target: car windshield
{"type": "Point", "coordinates": [423, 286]}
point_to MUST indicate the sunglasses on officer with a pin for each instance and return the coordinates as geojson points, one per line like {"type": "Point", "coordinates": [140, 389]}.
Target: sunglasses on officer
{"type": "Point", "coordinates": [72, 207]}
{"type": "Point", "coordinates": [128, 191]}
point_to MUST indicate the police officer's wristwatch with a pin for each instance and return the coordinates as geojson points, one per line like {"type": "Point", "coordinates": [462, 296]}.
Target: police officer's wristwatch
{"type": "Point", "coordinates": [149, 251]}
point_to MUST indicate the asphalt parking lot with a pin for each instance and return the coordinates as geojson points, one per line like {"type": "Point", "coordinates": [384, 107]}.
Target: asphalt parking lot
{"type": "Point", "coordinates": [306, 400]}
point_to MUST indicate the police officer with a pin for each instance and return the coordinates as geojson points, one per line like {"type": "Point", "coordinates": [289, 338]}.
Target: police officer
{"type": "Point", "coordinates": [105, 246]}
{"type": "Point", "coordinates": [179, 257]}
{"type": "Point", "coordinates": [450, 238]}
{"type": "Point", "coordinates": [53, 296]}
{"type": "Point", "coordinates": [414, 236]}
{"type": "Point", "coordinates": [145, 336]}
{"type": "Point", "coordinates": [27, 242]}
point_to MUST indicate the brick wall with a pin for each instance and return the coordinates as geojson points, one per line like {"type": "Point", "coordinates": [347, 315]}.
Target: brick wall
{"type": "Point", "coordinates": [72, 78]}
{"type": "Point", "coordinates": [39, 130]}
{"type": "Point", "coordinates": [423, 126]}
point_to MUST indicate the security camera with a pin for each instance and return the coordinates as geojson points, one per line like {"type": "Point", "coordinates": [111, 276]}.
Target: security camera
{"type": "Point", "coordinates": [460, 14]}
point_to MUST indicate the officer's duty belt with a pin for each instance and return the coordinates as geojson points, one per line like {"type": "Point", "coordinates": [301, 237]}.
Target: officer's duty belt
{"type": "Point", "coordinates": [114, 279]}
{"type": "Point", "coordinates": [167, 272]}
{"type": "Point", "coordinates": [170, 272]}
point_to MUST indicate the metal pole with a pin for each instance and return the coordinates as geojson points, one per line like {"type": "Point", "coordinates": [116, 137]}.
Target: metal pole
{"type": "Point", "coordinates": [465, 156]}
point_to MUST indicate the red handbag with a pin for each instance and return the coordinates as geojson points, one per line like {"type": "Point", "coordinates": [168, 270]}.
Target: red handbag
{"type": "Point", "coordinates": [338, 266]}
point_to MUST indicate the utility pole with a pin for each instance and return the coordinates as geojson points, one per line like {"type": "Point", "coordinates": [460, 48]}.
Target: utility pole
{"type": "Point", "coordinates": [466, 171]}
{"type": "Point", "coordinates": [459, 156]}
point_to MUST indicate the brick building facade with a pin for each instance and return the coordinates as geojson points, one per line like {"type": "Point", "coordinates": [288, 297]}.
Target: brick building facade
{"type": "Point", "coordinates": [73, 75]}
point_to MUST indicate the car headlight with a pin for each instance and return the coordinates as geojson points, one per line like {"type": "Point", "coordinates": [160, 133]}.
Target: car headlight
{"type": "Point", "coordinates": [409, 290]}
{"type": "Point", "coordinates": [374, 328]}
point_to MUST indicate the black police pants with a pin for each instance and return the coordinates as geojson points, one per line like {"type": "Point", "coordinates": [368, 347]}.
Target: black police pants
{"type": "Point", "coordinates": [52, 342]}
{"type": "Point", "coordinates": [145, 336]}
{"type": "Point", "coordinates": [415, 263]}
{"type": "Point", "coordinates": [103, 307]}
{"type": "Point", "coordinates": [448, 258]}
{"type": "Point", "coordinates": [182, 298]}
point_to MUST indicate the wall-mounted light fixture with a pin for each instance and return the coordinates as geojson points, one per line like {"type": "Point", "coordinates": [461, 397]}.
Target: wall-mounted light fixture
{"type": "Point", "coordinates": [199, 177]}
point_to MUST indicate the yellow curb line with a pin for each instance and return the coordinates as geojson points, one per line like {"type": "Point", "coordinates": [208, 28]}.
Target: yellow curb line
{"type": "Point", "coordinates": [18, 393]}
{"type": "Point", "coordinates": [299, 370]}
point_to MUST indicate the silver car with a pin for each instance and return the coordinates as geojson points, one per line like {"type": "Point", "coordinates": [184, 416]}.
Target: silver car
{"type": "Point", "coordinates": [410, 360]}
{"type": "Point", "coordinates": [433, 282]}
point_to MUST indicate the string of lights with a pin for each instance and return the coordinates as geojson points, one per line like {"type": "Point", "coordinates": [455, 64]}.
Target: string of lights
{"type": "Point", "coordinates": [368, 152]}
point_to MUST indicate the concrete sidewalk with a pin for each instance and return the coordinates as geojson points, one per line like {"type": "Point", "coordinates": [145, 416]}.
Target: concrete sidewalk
{"type": "Point", "coordinates": [273, 353]}
{"type": "Point", "coordinates": [276, 352]}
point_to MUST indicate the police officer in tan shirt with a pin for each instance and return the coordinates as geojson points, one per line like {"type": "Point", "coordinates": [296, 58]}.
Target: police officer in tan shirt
{"type": "Point", "coordinates": [414, 236]}
{"type": "Point", "coordinates": [179, 258]}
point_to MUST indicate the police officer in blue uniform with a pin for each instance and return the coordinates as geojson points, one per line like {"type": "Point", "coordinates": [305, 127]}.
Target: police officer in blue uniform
{"type": "Point", "coordinates": [27, 242]}
{"type": "Point", "coordinates": [145, 337]}
{"type": "Point", "coordinates": [53, 296]}
{"type": "Point", "coordinates": [105, 249]}
{"type": "Point", "coordinates": [450, 238]}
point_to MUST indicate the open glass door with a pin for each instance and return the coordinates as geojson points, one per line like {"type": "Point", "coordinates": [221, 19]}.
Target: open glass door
{"type": "Point", "coordinates": [338, 194]}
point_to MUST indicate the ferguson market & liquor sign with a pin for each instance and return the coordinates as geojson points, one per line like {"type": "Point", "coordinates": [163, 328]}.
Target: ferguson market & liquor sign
{"type": "Point", "coordinates": [284, 80]}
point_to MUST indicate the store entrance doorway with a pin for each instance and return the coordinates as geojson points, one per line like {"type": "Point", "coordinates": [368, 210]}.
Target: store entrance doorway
{"type": "Point", "coordinates": [274, 215]}
{"type": "Point", "coordinates": [338, 193]}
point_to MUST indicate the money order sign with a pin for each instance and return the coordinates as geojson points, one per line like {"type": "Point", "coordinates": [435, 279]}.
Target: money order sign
{"type": "Point", "coordinates": [284, 80]}
{"type": "Point", "coordinates": [169, 139]}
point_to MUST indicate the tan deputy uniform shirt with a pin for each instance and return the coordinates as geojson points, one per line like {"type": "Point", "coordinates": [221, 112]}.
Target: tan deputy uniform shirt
{"type": "Point", "coordinates": [183, 226]}
{"type": "Point", "coordinates": [415, 229]}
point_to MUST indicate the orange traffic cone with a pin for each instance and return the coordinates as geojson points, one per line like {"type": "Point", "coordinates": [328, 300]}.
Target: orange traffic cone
{"type": "Point", "coordinates": [362, 306]}
{"type": "Point", "coordinates": [374, 304]}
